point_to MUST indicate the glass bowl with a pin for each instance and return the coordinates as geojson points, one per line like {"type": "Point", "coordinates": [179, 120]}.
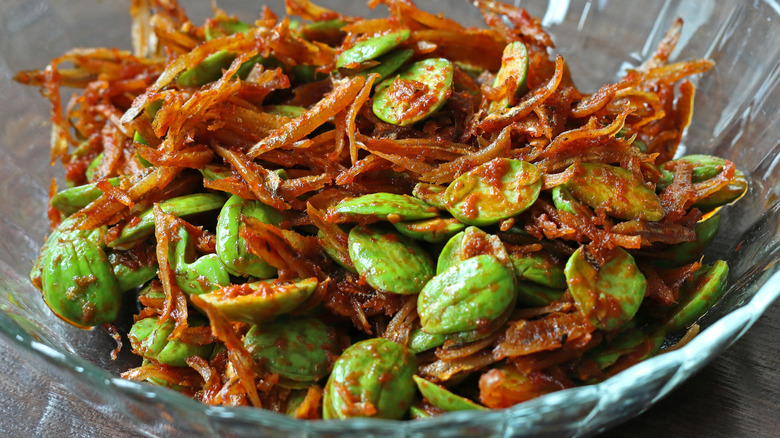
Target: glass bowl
{"type": "Point", "coordinates": [737, 116]}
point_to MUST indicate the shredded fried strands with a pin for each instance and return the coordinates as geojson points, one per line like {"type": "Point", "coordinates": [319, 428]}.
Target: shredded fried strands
{"type": "Point", "coordinates": [296, 120]}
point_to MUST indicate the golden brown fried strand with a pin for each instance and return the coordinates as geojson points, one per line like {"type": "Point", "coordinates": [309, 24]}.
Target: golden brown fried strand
{"type": "Point", "coordinates": [342, 95]}
{"type": "Point", "coordinates": [165, 229]}
{"type": "Point", "coordinates": [239, 357]}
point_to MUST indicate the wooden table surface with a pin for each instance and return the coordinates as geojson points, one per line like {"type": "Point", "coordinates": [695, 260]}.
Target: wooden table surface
{"type": "Point", "coordinates": [738, 395]}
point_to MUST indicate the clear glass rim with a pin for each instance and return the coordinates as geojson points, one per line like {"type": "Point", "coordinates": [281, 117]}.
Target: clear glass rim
{"type": "Point", "coordinates": [723, 333]}
{"type": "Point", "coordinates": [696, 354]}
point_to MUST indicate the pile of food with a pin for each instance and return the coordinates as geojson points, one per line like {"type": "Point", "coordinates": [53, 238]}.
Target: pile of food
{"type": "Point", "coordinates": [331, 217]}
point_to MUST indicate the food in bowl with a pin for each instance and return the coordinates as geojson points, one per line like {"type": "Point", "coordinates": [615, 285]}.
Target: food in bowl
{"type": "Point", "coordinates": [339, 217]}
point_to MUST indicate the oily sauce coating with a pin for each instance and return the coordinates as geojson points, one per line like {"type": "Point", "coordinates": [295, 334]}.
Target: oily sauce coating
{"type": "Point", "coordinates": [474, 132]}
